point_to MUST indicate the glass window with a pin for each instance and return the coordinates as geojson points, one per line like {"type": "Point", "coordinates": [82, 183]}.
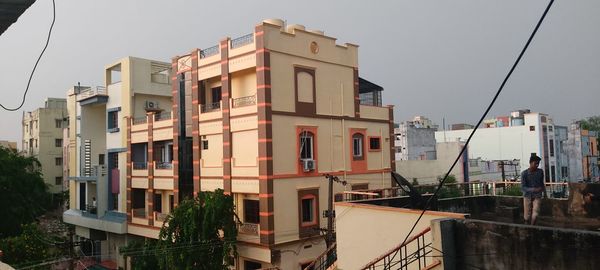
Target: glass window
{"type": "Point", "coordinates": [375, 143]}
{"type": "Point", "coordinates": [58, 161]}
{"type": "Point", "coordinates": [308, 214]}
{"type": "Point", "coordinates": [357, 146]}
{"type": "Point", "coordinates": [306, 145]}
{"type": "Point", "coordinates": [58, 180]}
{"type": "Point", "coordinates": [204, 143]}
{"type": "Point", "coordinates": [251, 210]}
{"type": "Point", "coordinates": [551, 148]}
{"type": "Point", "coordinates": [58, 123]}
{"type": "Point", "coordinates": [58, 142]}
{"type": "Point", "coordinates": [113, 120]}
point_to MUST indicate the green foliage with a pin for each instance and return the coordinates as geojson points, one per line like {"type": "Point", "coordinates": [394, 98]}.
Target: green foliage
{"type": "Point", "coordinates": [591, 123]}
{"type": "Point", "coordinates": [415, 182]}
{"type": "Point", "coordinates": [450, 188]}
{"type": "Point", "coordinates": [30, 246]}
{"type": "Point", "coordinates": [201, 234]}
{"type": "Point", "coordinates": [512, 190]}
{"type": "Point", "coordinates": [24, 196]}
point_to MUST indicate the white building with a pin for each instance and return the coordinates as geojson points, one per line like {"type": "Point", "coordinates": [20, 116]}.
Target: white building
{"type": "Point", "coordinates": [415, 140]}
{"type": "Point", "coordinates": [528, 133]}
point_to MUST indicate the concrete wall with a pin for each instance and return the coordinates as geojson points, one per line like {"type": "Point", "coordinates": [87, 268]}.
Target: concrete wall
{"type": "Point", "coordinates": [365, 232]}
{"type": "Point", "coordinates": [427, 171]}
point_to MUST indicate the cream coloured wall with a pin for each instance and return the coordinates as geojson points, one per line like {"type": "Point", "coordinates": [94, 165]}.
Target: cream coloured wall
{"type": "Point", "coordinates": [286, 199]}
{"type": "Point", "coordinates": [334, 85]}
{"type": "Point", "coordinates": [365, 232]}
{"type": "Point", "coordinates": [213, 156]}
{"type": "Point", "coordinates": [243, 83]}
{"type": "Point", "coordinates": [332, 144]}
{"type": "Point", "coordinates": [139, 103]}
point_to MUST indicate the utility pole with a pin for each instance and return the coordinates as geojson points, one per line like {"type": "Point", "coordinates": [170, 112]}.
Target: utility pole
{"type": "Point", "coordinates": [502, 168]}
{"type": "Point", "coordinates": [330, 213]}
{"type": "Point", "coordinates": [71, 252]}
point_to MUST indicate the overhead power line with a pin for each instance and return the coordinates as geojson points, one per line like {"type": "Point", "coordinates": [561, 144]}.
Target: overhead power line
{"type": "Point", "coordinates": [36, 62]}
{"type": "Point", "coordinates": [512, 69]}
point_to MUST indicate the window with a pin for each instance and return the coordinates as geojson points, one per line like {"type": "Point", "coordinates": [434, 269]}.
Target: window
{"type": "Point", "coordinates": [204, 143]}
{"type": "Point", "coordinates": [100, 159]}
{"type": "Point", "coordinates": [550, 128]}
{"type": "Point", "coordinates": [216, 94]}
{"type": "Point", "coordinates": [250, 265]}
{"type": "Point", "coordinates": [553, 173]}
{"type": "Point", "coordinates": [308, 210]}
{"type": "Point", "coordinates": [531, 128]}
{"type": "Point", "coordinates": [58, 123]}
{"type": "Point", "coordinates": [251, 209]}
{"type": "Point", "coordinates": [58, 142]}
{"type": "Point", "coordinates": [58, 180]}
{"type": "Point", "coordinates": [374, 143]}
{"type": "Point", "coordinates": [113, 121]}
{"type": "Point", "coordinates": [157, 202]}
{"type": "Point", "coordinates": [306, 145]}
{"type": "Point", "coordinates": [357, 146]}
{"type": "Point", "coordinates": [551, 148]}
{"type": "Point", "coordinates": [58, 161]}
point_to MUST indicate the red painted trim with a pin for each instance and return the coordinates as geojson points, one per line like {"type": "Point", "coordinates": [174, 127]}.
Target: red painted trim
{"type": "Point", "coordinates": [358, 164]}
{"type": "Point", "coordinates": [315, 211]}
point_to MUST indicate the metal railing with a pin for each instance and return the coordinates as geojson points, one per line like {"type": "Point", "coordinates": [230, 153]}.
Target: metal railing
{"type": "Point", "coordinates": [139, 212]}
{"type": "Point", "coordinates": [242, 41]}
{"type": "Point", "coordinates": [209, 107]}
{"type": "Point", "coordinates": [248, 228]}
{"type": "Point", "coordinates": [160, 216]}
{"type": "Point", "coordinates": [209, 51]}
{"type": "Point", "coordinates": [162, 116]}
{"type": "Point", "coordinates": [139, 120]}
{"type": "Point", "coordinates": [325, 260]}
{"type": "Point", "coordinates": [92, 91]}
{"type": "Point", "coordinates": [414, 251]}
{"type": "Point", "coordinates": [140, 165]}
{"type": "Point", "coordinates": [244, 101]}
{"type": "Point", "coordinates": [510, 188]}
{"type": "Point", "coordinates": [160, 165]}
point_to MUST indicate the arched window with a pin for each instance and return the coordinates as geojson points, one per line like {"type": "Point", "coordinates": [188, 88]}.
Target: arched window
{"type": "Point", "coordinates": [357, 146]}
{"type": "Point", "coordinates": [306, 145]}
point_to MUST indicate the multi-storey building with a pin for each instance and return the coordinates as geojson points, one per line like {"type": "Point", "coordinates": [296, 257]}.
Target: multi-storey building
{"type": "Point", "coordinates": [415, 140]}
{"type": "Point", "coordinates": [262, 117]}
{"type": "Point", "coordinates": [582, 149]}
{"type": "Point", "coordinates": [42, 138]}
{"type": "Point", "coordinates": [527, 133]}
{"type": "Point", "coordinates": [8, 144]}
{"type": "Point", "coordinates": [97, 147]}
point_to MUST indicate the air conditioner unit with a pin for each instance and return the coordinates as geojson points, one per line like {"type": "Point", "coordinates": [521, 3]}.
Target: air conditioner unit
{"type": "Point", "coordinates": [308, 165]}
{"type": "Point", "coordinates": [151, 105]}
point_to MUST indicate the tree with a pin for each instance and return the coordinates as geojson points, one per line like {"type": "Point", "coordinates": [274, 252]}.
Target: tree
{"type": "Point", "coordinates": [24, 196]}
{"type": "Point", "coordinates": [32, 245]}
{"type": "Point", "coordinates": [591, 123]}
{"type": "Point", "coordinates": [200, 233]}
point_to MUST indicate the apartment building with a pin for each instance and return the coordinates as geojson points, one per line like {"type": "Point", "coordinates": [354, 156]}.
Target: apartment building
{"type": "Point", "coordinates": [263, 117]}
{"type": "Point", "coordinates": [582, 151]}
{"type": "Point", "coordinates": [8, 144]}
{"type": "Point", "coordinates": [415, 140]}
{"type": "Point", "coordinates": [527, 133]}
{"type": "Point", "coordinates": [97, 148]}
{"type": "Point", "coordinates": [42, 138]}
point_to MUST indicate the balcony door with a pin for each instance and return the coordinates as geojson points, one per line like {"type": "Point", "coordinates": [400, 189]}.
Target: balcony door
{"type": "Point", "coordinates": [82, 192]}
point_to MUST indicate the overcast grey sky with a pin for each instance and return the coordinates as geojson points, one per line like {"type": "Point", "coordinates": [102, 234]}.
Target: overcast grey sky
{"type": "Point", "coordinates": [434, 58]}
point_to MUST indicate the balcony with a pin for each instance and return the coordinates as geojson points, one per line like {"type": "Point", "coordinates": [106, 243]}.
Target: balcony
{"type": "Point", "coordinates": [163, 116]}
{"type": "Point", "coordinates": [114, 222]}
{"type": "Point", "coordinates": [139, 120]}
{"type": "Point", "coordinates": [138, 212]}
{"type": "Point", "coordinates": [93, 95]}
{"type": "Point", "coordinates": [139, 168]}
{"type": "Point", "coordinates": [163, 165]}
{"type": "Point", "coordinates": [248, 228]}
{"type": "Point", "coordinates": [208, 52]}
{"type": "Point", "coordinates": [210, 107]}
{"type": "Point", "coordinates": [244, 101]}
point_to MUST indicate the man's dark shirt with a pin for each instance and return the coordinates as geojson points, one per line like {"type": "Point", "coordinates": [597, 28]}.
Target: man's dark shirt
{"type": "Point", "coordinates": [531, 180]}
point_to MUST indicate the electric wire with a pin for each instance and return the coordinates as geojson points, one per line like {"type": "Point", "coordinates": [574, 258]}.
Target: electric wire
{"type": "Point", "coordinates": [36, 62]}
{"type": "Point", "coordinates": [480, 121]}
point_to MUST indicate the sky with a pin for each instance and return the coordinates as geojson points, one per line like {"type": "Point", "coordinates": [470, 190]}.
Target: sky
{"type": "Point", "coordinates": [439, 59]}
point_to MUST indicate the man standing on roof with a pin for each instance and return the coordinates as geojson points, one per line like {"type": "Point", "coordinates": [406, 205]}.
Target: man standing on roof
{"type": "Point", "coordinates": [532, 185]}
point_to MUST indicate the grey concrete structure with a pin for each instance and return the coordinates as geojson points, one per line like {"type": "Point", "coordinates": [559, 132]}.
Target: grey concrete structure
{"type": "Point", "coordinates": [415, 140]}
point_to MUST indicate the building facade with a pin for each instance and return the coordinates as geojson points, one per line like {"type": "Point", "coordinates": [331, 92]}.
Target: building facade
{"type": "Point", "coordinates": [42, 138]}
{"type": "Point", "coordinates": [582, 149]}
{"type": "Point", "coordinates": [415, 140]}
{"type": "Point", "coordinates": [8, 144]}
{"type": "Point", "coordinates": [527, 133]}
{"type": "Point", "coordinates": [97, 148]}
{"type": "Point", "coordinates": [263, 117]}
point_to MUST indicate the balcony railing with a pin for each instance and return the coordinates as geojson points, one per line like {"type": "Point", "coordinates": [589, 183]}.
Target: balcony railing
{"type": "Point", "coordinates": [162, 116]}
{"type": "Point", "coordinates": [405, 255]}
{"type": "Point", "coordinates": [215, 106]}
{"type": "Point", "coordinates": [163, 165]}
{"type": "Point", "coordinates": [140, 165]}
{"type": "Point", "coordinates": [325, 260]}
{"type": "Point", "coordinates": [248, 228]}
{"type": "Point", "coordinates": [92, 91]}
{"type": "Point", "coordinates": [209, 51]}
{"type": "Point", "coordinates": [139, 212]}
{"type": "Point", "coordinates": [140, 120]}
{"type": "Point", "coordinates": [160, 216]}
{"type": "Point", "coordinates": [242, 41]}
{"type": "Point", "coordinates": [244, 101]}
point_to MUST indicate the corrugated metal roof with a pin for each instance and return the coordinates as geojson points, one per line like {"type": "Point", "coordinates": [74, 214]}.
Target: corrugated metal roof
{"type": "Point", "coordinates": [11, 10]}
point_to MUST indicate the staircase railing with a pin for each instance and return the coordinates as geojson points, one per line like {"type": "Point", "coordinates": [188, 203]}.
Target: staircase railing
{"type": "Point", "coordinates": [414, 251]}
{"type": "Point", "coordinates": [325, 260]}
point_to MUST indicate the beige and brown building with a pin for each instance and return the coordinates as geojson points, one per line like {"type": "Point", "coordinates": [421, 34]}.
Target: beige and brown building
{"type": "Point", "coordinates": [263, 117]}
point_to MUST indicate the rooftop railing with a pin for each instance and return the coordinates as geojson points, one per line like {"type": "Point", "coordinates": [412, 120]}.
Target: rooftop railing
{"type": "Point", "coordinates": [242, 41]}
{"type": "Point", "coordinates": [92, 91]}
{"type": "Point", "coordinates": [214, 50]}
